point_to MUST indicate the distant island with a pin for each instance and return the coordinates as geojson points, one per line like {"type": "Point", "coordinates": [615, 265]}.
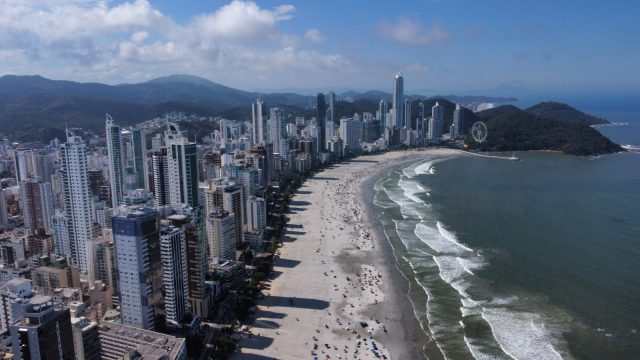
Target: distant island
{"type": "Point", "coordinates": [34, 102]}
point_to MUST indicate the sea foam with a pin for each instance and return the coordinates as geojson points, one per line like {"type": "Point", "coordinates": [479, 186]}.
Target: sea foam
{"type": "Point", "coordinates": [450, 236]}
{"type": "Point", "coordinates": [521, 335]}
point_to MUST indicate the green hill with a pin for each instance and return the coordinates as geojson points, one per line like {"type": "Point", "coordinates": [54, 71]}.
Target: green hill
{"type": "Point", "coordinates": [564, 114]}
{"type": "Point", "coordinates": [512, 129]}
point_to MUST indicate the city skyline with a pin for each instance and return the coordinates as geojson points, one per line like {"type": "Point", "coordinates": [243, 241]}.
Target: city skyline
{"type": "Point", "coordinates": [451, 46]}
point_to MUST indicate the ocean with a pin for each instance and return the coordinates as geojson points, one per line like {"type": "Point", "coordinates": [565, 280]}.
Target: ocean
{"type": "Point", "coordinates": [530, 259]}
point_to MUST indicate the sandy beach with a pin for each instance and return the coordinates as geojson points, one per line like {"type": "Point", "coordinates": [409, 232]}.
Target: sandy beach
{"type": "Point", "coordinates": [336, 292]}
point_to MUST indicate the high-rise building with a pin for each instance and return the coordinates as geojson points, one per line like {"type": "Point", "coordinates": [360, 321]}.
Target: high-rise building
{"type": "Point", "coordinates": [330, 132]}
{"type": "Point", "coordinates": [436, 123]}
{"type": "Point", "coordinates": [256, 213]}
{"type": "Point", "coordinates": [383, 109]}
{"type": "Point", "coordinates": [331, 112]}
{"type": "Point", "coordinates": [321, 114]}
{"type": "Point", "coordinates": [124, 342]}
{"type": "Point", "coordinates": [22, 163]}
{"type": "Point", "coordinates": [197, 264]}
{"type": "Point", "coordinates": [44, 332]}
{"type": "Point", "coordinates": [61, 234]}
{"type": "Point", "coordinates": [277, 131]}
{"type": "Point", "coordinates": [77, 201]}
{"type": "Point", "coordinates": [116, 161]}
{"type": "Point", "coordinates": [4, 215]}
{"type": "Point", "coordinates": [407, 115]}
{"type": "Point", "coordinates": [29, 163]}
{"type": "Point", "coordinates": [182, 168]}
{"type": "Point", "coordinates": [95, 181]}
{"type": "Point", "coordinates": [350, 134]}
{"type": "Point", "coordinates": [14, 297]}
{"type": "Point", "coordinates": [105, 266]}
{"type": "Point", "coordinates": [398, 100]}
{"type": "Point", "coordinates": [42, 165]}
{"type": "Point", "coordinates": [86, 342]}
{"type": "Point", "coordinates": [37, 205]}
{"type": "Point", "coordinates": [173, 253]}
{"type": "Point", "coordinates": [139, 143]}
{"type": "Point", "coordinates": [458, 122]}
{"type": "Point", "coordinates": [55, 274]}
{"type": "Point", "coordinates": [138, 266]}
{"type": "Point", "coordinates": [257, 122]}
{"type": "Point", "coordinates": [228, 196]}
{"type": "Point", "coordinates": [160, 166]}
{"type": "Point", "coordinates": [420, 124]}
{"type": "Point", "coordinates": [221, 231]}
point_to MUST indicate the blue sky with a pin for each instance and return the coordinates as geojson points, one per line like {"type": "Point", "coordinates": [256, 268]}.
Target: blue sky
{"type": "Point", "coordinates": [440, 45]}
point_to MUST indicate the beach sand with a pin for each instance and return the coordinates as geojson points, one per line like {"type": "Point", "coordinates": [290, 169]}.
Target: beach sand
{"type": "Point", "coordinates": [336, 291]}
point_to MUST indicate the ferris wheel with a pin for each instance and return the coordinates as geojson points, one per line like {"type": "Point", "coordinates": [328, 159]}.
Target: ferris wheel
{"type": "Point", "coordinates": [479, 131]}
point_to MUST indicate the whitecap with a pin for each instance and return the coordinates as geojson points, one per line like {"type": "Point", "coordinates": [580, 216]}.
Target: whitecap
{"type": "Point", "coordinates": [435, 240]}
{"type": "Point", "coordinates": [521, 335]}
{"type": "Point", "coordinates": [450, 236]}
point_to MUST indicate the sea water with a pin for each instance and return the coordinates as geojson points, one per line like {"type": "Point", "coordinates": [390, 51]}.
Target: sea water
{"type": "Point", "coordinates": [530, 259]}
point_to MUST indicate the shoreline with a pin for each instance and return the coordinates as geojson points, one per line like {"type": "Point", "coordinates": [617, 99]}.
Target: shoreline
{"type": "Point", "coordinates": [337, 289]}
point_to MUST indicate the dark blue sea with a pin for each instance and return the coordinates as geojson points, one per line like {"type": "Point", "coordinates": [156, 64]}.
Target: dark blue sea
{"type": "Point", "coordinates": [531, 259]}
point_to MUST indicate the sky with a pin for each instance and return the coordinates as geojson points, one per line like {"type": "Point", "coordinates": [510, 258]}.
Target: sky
{"type": "Point", "coordinates": [439, 45]}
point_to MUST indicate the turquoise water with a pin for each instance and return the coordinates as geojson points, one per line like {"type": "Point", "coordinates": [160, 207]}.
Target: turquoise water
{"type": "Point", "coordinates": [530, 259]}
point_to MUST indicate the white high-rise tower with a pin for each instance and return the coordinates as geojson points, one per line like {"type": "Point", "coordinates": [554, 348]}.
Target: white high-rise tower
{"type": "Point", "coordinates": [398, 100]}
{"type": "Point", "coordinates": [277, 131]}
{"type": "Point", "coordinates": [458, 123]}
{"type": "Point", "coordinates": [258, 122]}
{"type": "Point", "coordinates": [436, 123]}
{"type": "Point", "coordinates": [77, 200]}
{"type": "Point", "coordinates": [116, 162]}
{"type": "Point", "coordinates": [182, 167]}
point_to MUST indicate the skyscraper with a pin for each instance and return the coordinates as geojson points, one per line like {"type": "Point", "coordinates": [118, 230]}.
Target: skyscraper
{"type": "Point", "coordinates": [44, 332]}
{"type": "Point", "coordinates": [382, 114]}
{"type": "Point", "coordinates": [174, 263]}
{"type": "Point", "coordinates": [138, 266]}
{"type": "Point", "coordinates": [14, 297]}
{"type": "Point", "coordinates": [182, 167]}
{"type": "Point", "coordinates": [95, 181]}
{"type": "Point", "coordinates": [160, 166]}
{"type": "Point", "coordinates": [228, 196]}
{"type": "Point", "coordinates": [407, 115]}
{"type": "Point", "coordinates": [436, 123]}
{"type": "Point", "coordinates": [139, 157]}
{"type": "Point", "coordinates": [221, 231]}
{"type": "Point", "coordinates": [331, 111]}
{"type": "Point", "coordinates": [256, 213]}
{"type": "Point", "coordinates": [321, 114]}
{"type": "Point", "coordinates": [398, 100]}
{"type": "Point", "coordinates": [4, 215]}
{"type": "Point", "coordinates": [42, 164]}
{"type": "Point", "coordinates": [22, 164]}
{"type": "Point", "coordinates": [458, 122]}
{"type": "Point", "coordinates": [36, 198]}
{"type": "Point", "coordinates": [257, 122]}
{"type": "Point", "coordinates": [420, 123]}
{"type": "Point", "coordinates": [350, 134]}
{"type": "Point", "coordinates": [277, 131]}
{"type": "Point", "coordinates": [61, 234]}
{"type": "Point", "coordinates": [77, 201]}
{"type": "Point", "coordinates": [116, 161]}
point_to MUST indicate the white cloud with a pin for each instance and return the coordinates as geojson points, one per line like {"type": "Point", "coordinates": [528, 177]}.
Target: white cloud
{"type": "Point", "coordinates": [239, 43]}
{"type": "Point", "coordinates": [139, 37]}
{"type": "Point", "coordinates": [241, 20]}
{"type": "Point", "coordinates": [410, 32]}
{"type": "Point", "coordinates": [314, 35]}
